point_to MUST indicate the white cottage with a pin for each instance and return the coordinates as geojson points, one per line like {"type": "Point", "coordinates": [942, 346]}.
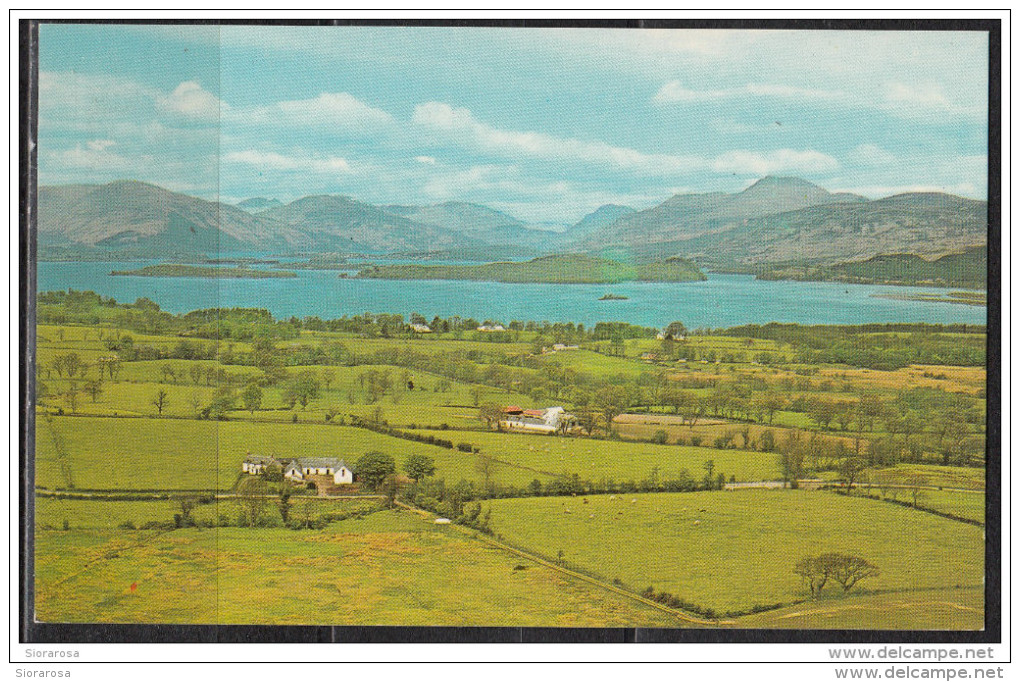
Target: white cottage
{"type": "Point", "coordinates": [303, 467]}
{"type": "Point", "coordinates": [549, 420]}
{"type": "Point", "coordinates": [256, 464]}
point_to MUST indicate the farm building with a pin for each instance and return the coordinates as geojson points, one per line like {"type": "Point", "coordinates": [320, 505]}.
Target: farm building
{"type": "Point", "coordinates": [549, 420]}
{"type": "Point", "coordinates": [256, 464]}
{"type": "Point", "coordinates": [421, 328]}
{"type": "Point", "coordinates": [491, 328]}
{"type": "Point", "coordinates": [304, 468]}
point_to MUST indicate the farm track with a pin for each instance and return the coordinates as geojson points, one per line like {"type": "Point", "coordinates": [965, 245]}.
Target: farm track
{"type": "Point", "coordinates": [681, 615]}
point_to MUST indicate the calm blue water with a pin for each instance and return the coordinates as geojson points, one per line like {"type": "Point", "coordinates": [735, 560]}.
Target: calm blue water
{"type": "Point", "coordinates": [722, 301]}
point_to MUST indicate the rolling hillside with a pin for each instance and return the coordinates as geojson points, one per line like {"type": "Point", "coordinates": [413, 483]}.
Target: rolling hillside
{"type": "Point", "coordinates": [342, 224]}
{"type": "Point", "coordinates": [141, 218]}
{"type": "Point", "coordinates": [774, 222]}
{"type": "Point", "coordinates": [786, 219]}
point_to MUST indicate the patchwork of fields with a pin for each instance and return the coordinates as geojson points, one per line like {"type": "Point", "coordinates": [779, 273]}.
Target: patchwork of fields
{"type": "Point", "coordinates": [139, 500]}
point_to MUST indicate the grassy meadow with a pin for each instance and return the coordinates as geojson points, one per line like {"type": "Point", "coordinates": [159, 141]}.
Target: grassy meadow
{"type": "Point", "coordinates": [140, 412]}
{"type": "Point", "coordinates": [732, 551]}
{"type": "Point", "coordinates": [392, 568]}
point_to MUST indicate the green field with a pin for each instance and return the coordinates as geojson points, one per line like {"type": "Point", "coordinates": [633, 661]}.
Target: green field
{"type": "Point", "coordinates": [596, 460]}
{"type": "Point", "coordinates": [85, 514]}
{"type": "Point", "coordinates": [965, 505]}
{"type": "Point", "coordinates": [724, 551]}
{"type": "Point", "coordinates": [185, 454]}
{"type": "Point", "coordinates": [731, 551]}
{"type": "Point", "coordinates": [391, 568]}
{"type": "Point", "coordinates": [937, 609]}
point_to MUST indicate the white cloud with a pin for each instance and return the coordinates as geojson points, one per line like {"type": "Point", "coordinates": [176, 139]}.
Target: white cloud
{"type": "Point", "coordinates": [275, 161]}
{"type": "Point", "coordinates": [428, 160]}
{"type": "Point", "coordinates": [88, 99]}
{"type": "Point", "coordinates": [94, 156]}
{"type": "Point", "coordinates": [335, 109]}
{"type": "Point", "coordinates": [926, 100]}
{"type": "Point", "coordinates": [459, 126]}
{"type": "Point", "coordinates": [191, 101]}
{"type": "Point", "coordinates": [744, 162]}
{"type": "Point", "coordinates": [674, 91]}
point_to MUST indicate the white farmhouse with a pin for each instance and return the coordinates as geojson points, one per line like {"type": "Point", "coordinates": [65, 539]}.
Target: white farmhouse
{"type": "Point", "coordinates": [306, 467]}
{"type": "Point", "coordinates": [256, 464]}
{"type": "Point", "coordinates": [549, 420]}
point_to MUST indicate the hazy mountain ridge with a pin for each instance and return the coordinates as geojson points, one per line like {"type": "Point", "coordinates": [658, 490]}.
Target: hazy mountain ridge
{"type": "Point", "coordinates": [775, 220]}
{"type": "Point", "coordinates": [786, 219]}
{"type": "Point", "coordinates": [475, 221]}
{"type": "Point", "coordinates": [603, 216]}
{"type": "Point", "coordinates": [143, 217]}
{"type": "Point", "coordinates": [338, 223]}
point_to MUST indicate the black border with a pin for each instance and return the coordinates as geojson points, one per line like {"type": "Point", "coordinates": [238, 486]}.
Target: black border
{"type": "Point", "coordinates": [32, 632]}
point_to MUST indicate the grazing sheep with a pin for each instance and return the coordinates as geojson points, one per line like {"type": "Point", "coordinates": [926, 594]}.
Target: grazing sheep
{"type": "Point", "coordinates": [697, 522]}
{"type": "Point", "coordinates": [591, 516]}
{"type": "Point", "coordinates": [567, 511]}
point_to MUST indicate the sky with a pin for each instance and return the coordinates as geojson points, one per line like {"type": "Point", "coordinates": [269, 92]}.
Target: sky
{"type": "Point", "coordinates": [546, 124]}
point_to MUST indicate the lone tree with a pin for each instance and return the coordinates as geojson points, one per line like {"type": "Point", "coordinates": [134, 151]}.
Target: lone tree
{"type": "Point", "coordinates": [187, 505]}
{"type": "Point", "coordinates": [850, 469]}
{"type": "Point", "coordinates": [845, 569]}
{"type": "Point", "coordinates": [251, 496]}
{"type": "Point", "coordinates": [849, 570]}
{"type": "Point", "coordinates": [283, 503]}
{"type": "Point", "coordinates": [814, 574]}
{"type": "Point", "coordinates": [303, 388]}
{"type": "Point", "coordinates": [490, 413]}
{"type": "Point", "coordinates": [252, 398]}
{"type": "Point", "coordinates": [419, 466]}
{"type": "Point", "coordinates": [160, 400]}
{"type": "Point", "coordinates": [374, 467]}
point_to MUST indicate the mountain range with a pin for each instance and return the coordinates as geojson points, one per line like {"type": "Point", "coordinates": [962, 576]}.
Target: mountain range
{"type": "Point", "coordinates": [775, 220]}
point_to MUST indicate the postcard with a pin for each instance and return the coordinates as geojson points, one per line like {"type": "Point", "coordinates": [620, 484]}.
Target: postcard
{"type": "Point", "coordinates": [568, 326]}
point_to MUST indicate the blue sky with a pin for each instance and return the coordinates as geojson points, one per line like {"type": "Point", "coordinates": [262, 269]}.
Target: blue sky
{"type": "Point", "coordinates": [546, 124]}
